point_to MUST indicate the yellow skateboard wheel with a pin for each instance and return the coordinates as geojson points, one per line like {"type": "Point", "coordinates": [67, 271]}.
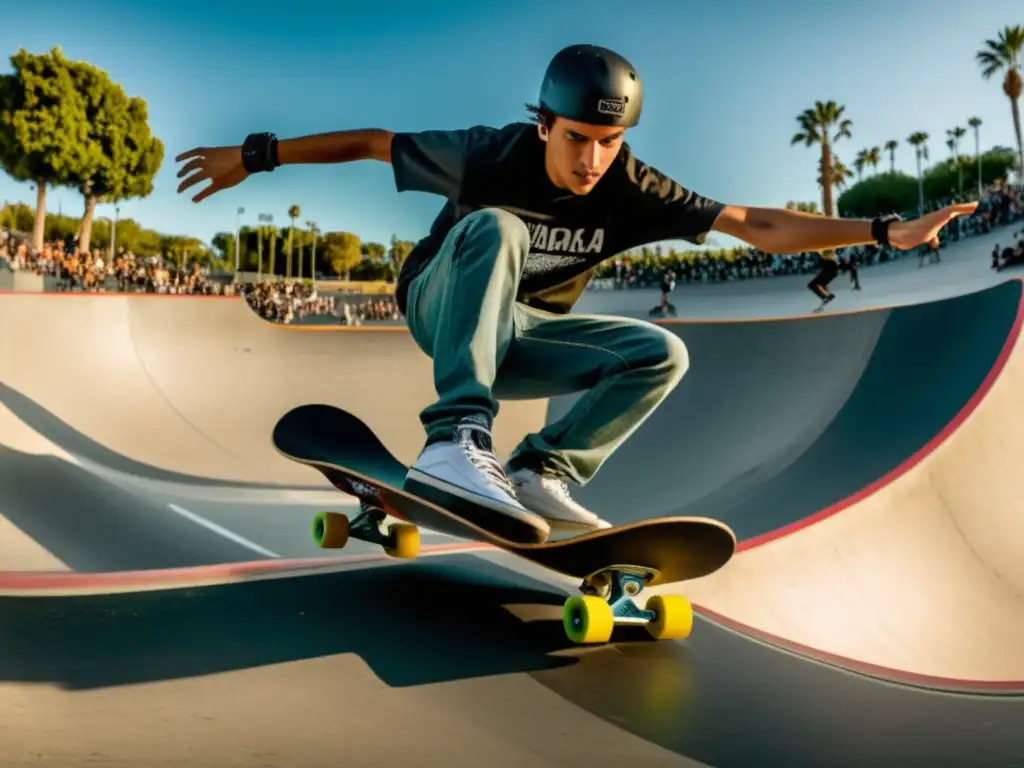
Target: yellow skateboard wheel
{"type": "Point", "coordinates": [406, 540]}
{"type": "Point", "coordinates": [588, 619]}
{"type": "Point", "coordinates": [330, 530]}
{"type": "Point", "coordinates": [673, 617]}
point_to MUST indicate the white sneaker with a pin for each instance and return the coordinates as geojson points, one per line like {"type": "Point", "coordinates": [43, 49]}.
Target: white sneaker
{"type": "Point", "coordinates": [548, 496]}
{"type": "Point", "coordinates": [464, 476]}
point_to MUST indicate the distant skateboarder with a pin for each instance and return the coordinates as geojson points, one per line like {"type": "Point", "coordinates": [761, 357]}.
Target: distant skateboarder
{"type": "Point", "coordinates": [668, 284]}
{"type": "Point", "coordinates": [825, 275]}
{"type": "Point", "coordinates": [848, 263]}
{"type": "Point", "coordinates": [533, 208]}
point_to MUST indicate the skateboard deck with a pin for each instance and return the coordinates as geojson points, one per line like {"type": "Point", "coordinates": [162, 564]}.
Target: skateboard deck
{"type": "Point", "coordinates": [613, 564]}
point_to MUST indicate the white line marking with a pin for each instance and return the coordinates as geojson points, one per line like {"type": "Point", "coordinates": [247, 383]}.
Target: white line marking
{"type": "Point", "coordinates": [222, 531]}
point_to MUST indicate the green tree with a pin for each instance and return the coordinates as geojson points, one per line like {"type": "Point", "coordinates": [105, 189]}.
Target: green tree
{"type": "Point", "coordinates": [293, 213]}
{"type": "Point", "coordinates": [859, 162]}
{"type": "Point", "coordinates": [975, 123]}
{"type": "Point", "coordinates": [941, 179]}
{"type": "Point", "coordinates": [342, 250]}
{"type": "Point", "coordinates": [135, 238]}
{"type": "Point", "coordinates": [183, 249]}
{"type": "Point", "coordinates": [823, 125]}
{"type": "Point", "coordinates": [224, 244]}
{"type": "Point", "coordinates": [900, 192]}
{"type": "Point", "coordinates": [890, 147]}
{"type": "Point", "coordinates": [953, 136]}
{"type": "Point", "coordinates": [374, 251]}
{"type": "Point", "coordinates": [881, 193]}
{"type": "Point", "coordinates": [873, 157]}
{"type": "Point", "coordinates": [123, 155]}
{"type": "Point", "coordinates": [1004, 55]}
{"type": "Point", "coordinates": [42, 127]}
{"type": "Point", "coordinates": [840, 175]}
{"type": "Point", "coordinates": [919, 141]}
{"type": "Point", "coordinates": [399, 252]}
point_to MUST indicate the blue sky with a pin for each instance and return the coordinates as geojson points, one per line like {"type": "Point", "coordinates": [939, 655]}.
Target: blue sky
{"type": "Point", "coordinates": [723, 84]}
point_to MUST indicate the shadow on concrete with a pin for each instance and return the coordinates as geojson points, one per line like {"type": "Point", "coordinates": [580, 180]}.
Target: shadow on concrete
{"type": "Point", "coordinates": [717, 697]}
{"type": "Point", "coordinates": [66, 437]}
{"type": "Point", "coordinates": [412, 624]}
{"type": "Point", "coordinates": [725, 700]}
{"type": "Point", "coordinates": [93, 525]}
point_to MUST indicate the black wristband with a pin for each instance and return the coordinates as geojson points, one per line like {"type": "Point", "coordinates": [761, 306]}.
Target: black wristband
{"type": "Point", "coordinates": [259, 152]}
{"type": "Point", "coordinates": [880, 227]}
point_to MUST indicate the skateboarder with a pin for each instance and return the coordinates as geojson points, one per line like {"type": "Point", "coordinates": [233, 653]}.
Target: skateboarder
{"type": "Point", "coordinates": [827, 272]}
{"type": "Point", "coordinates": [532, 209]}
{"type": "Point", "coordinates": [668, 284]}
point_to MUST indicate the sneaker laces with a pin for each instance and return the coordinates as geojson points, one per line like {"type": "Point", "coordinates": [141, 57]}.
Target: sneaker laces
{"type": "Point", "coordinates": [557, 485]}
{"type": "Point", "coordinates": [475, 440]}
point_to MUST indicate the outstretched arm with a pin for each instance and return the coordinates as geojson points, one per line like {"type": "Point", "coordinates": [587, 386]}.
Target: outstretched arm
{"type": "Point", "coordinates": [774, 230]}
{"type": "Point", "coordinates": [223, 165]}
{"type": "Point", "coordinates": [337, 147]}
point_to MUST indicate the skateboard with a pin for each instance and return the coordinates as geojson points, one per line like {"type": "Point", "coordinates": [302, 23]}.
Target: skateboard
{"type": "Point", "coordinates": [659, 310]}
{"type": "Point", "coordinates": [614, 565]}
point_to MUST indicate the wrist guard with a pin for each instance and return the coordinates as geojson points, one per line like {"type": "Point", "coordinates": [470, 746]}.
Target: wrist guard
{"type": "Point", "coordinates": [880, 227]}
{"type": "Point", "coordinates": [259, 152]}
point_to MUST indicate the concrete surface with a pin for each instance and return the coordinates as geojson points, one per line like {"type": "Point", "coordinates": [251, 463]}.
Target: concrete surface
{"type": "Point", "coordinates": [427, 663]}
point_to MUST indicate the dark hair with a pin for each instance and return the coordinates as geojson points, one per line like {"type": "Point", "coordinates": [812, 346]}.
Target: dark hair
{"type": "Point", "coordinates": [541, 115]}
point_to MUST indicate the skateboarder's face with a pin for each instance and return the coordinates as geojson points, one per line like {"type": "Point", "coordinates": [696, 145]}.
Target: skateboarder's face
{"type": "Point", "coordinates": [579, 154]}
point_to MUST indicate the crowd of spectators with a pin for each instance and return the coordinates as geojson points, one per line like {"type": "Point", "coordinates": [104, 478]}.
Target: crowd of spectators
{"type": "Point", "coordinates": [284, 302]}
{"type": "Point", "coordinates": [66, 268]}
{"type": "Point", "coordinates": [71, 269]}
{"type": "Point", "coordinates": [1000, 207]}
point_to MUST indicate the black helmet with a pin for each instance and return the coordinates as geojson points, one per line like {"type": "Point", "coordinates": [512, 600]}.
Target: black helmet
{"type": "Point", "coordinates": [593, 85]}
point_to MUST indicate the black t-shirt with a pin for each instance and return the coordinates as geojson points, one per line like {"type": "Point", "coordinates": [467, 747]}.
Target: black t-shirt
{"type": "Point", "coordinates": [570, 235]}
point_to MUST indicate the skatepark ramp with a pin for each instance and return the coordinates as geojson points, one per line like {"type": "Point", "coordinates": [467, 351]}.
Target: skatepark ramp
{"type": "Point", "coordinates": [183, 387]}
{"type": "Point", "coordinates": [893, 431]}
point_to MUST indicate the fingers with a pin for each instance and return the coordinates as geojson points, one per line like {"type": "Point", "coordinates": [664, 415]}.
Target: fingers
{"type": "Point", "coordinates": [965, 208]}
{"type": "Point", "coordinates": [194, 170]}
{"type": "Point", "coordinates": [198, 151]}
{"type": "Point", "coordinates": [205, 193]}
{"type": "Point", "coordinates": [198, 163]}
{"type": "Point", "coordinates": [192, 180]}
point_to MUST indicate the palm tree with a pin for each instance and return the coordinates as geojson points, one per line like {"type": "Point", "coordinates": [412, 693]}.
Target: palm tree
{"type": "Point", "coordinates": [293, 213]}
{"type": "Point", "coordinates": [859, 162]}
{"type": "Point", "coordinates": [890, 147]}
{"type": "Point", "coordinates": [264, 229]}
{"type": "Point", "coordinates": [975, 123]}
{"type": "Point", "coordinates": [873, 157]}
{"type": "Point", "coordinates": [839, 177]}
{"type": "Point", "coordinates": [1004, 54]}
{"type": "Point", "coordinates": [840, 174]}
{"type": "Point", "coordinates": [953, 142]}
{"type": "Point", "coordinates": [823, 125]}
{"type": "Point", "coordinates": [918, 140]}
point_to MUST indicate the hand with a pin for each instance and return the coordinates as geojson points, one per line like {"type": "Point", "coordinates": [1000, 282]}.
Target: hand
{"type": "Point", "coordinates": [223, 165]}
{"type": "Point", "coordinates": [905, 235]}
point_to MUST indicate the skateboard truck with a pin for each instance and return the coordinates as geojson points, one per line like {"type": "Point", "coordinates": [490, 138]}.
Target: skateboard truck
{"type": "Point", "coordinates": [607, 600]}
{"type": "Point", "coordinates": [619, 587]}
{"type": "Point", "coordinates": [332, 530]}
{"type": "Point", "coordinates": [369, 524]}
